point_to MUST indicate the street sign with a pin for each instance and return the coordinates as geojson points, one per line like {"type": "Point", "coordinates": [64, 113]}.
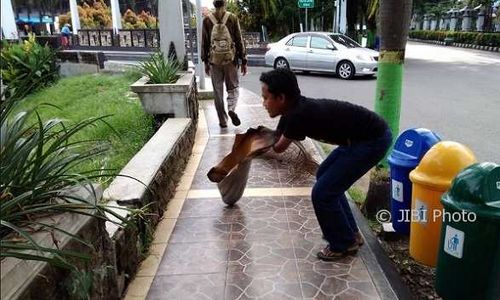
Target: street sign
{"type": "Point", "coordinates": [306, 3]}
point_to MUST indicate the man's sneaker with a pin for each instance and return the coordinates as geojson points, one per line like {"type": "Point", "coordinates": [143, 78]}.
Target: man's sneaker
{"type": "Point", "coordinates": [329, 255]}
{"type": "Point", "coordinates": [234, 118]}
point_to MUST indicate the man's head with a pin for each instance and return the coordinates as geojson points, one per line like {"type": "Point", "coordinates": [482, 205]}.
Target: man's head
{"type": "Point", "coordinates": [219, 3]}
{"type": "Point", "coordinates": [280, 90]}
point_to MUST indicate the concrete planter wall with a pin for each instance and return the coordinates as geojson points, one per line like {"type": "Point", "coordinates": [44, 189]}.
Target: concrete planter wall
{"type": "Point", "coordinates": [116, 252]}
{"type": "Point", "coordinates": [168, 99]}
{"type": "Point", "coordinates": [23, 279]}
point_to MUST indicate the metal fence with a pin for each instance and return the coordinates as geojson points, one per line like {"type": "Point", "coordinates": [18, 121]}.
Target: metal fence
{"type": "Point", "coordinates": [146, 39]}
{"type": "Point", "coordinates": [133, 38]}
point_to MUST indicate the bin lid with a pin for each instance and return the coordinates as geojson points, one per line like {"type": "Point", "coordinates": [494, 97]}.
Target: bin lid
{"type": "Point", "coordinates": [441, 164]}
{"type": "Point", "coordinates": [476, 189]}
{"type": "Point", "coordinates": [411, 145]}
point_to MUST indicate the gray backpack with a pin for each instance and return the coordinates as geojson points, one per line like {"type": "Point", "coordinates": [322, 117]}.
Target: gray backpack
{"type": "Point", "coordinates": [222, 49]}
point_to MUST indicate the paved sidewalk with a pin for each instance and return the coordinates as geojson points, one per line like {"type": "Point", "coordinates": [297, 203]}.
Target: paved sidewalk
{"type": "Point", "coordinates": [263, 248]}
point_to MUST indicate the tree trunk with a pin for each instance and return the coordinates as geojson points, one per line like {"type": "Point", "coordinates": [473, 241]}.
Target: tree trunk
{"type": "Point", "coordinates": [394, 26]}
{"type": "Point", "coordinates": [371, 24]}
{"type": "Point", "coordinates": [352, 17]}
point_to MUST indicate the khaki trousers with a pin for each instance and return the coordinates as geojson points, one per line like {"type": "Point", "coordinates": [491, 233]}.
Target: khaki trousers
{"type": "Point", "coordinates": [227, 74]}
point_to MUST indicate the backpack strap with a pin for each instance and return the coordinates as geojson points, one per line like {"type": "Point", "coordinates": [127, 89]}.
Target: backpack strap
{"type": "Point", "coordinates": [212, 18]}
{"type": "Point", "coordinates": [224, 19]}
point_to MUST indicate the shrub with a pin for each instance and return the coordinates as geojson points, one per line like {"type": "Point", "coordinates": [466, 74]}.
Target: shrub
{"type": "Point", "coordinates": [144, 20]}
{"type": "Point", "coordinates": [97, 15]}
{"type": "Point", "coordinates": [161, 70]}
{"type": "Point", "coordinates": [94, 14]}
{"type": "Point", "coordinates": [28, 66]}
{"type": "Point", "coordinates": [476, 38]}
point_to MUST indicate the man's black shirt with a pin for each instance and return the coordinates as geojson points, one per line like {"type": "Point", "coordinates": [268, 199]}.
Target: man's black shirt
{"type": "Point", "coordinates": [331, 121]}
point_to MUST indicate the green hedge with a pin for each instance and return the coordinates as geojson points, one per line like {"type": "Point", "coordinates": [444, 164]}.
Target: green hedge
{"type": "Point", "coordinates": [475, 38]}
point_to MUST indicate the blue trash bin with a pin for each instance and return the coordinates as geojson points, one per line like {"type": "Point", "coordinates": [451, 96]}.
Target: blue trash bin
{"type": "Point", "coordinates": [408, 150]}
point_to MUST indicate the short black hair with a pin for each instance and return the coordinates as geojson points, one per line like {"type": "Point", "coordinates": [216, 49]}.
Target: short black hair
{"type": "Point", "coordinates": [282, 81]}
{"type": "Point", "coordinates": [219, 3]}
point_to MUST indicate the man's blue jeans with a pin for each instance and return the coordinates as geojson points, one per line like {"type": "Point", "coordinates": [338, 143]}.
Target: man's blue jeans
{"type": "Point", "coordinates": [340, 170]}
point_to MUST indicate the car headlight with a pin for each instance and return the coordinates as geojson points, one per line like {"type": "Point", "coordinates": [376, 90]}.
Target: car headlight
{"type": "Point", "coordinates": [364, 57]}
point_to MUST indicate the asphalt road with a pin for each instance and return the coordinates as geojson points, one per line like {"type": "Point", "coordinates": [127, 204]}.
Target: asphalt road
{"type": "Point", "coordinates": [453, 91]}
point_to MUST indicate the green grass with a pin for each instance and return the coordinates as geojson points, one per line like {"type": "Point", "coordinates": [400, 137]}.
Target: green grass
{"type": "Point", "coordinates": [81, 97]}
{"type": "Point", "coordinates": [357, 195]}
{"type": "Point", "coordinates": [327, 148]}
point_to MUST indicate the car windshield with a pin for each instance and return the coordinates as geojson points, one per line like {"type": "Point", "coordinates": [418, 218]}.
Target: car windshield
{"type": "Point", "coordinates": [344, 41]}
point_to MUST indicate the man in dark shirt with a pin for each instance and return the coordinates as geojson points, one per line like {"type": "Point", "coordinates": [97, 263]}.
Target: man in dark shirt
{"type": "Point", "coordinates": [228, 72]}
{"type": "Point", "coordinates": [362, 137]}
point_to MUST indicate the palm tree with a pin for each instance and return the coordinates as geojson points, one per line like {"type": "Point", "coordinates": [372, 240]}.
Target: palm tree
{"type": "Point", "coordinates": [269, 7]}
{"type": "Point", "coordinates": [394, 27]}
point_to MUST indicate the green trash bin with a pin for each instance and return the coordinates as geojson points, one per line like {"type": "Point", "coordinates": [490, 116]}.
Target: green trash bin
{"type": "Point", "coordinates": [468, 264]}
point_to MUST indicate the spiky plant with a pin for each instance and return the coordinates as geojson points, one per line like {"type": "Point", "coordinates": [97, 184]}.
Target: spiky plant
{"type": "Point", "coordinates": [37, 163]}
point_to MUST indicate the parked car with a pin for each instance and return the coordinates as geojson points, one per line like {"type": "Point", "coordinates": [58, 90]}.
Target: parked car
{"type": "Point", "coordinates": [322, 52]}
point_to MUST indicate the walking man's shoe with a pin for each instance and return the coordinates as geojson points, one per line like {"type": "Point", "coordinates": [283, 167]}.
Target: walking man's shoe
{"type": "Point", "coordinates": [223, 125]}
{"type": "Point", "coordinates": [234, 118]}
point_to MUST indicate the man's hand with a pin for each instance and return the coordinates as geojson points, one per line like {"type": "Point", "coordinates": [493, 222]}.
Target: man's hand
{"type": "Point", "coordinates": [207, 69]}
{"type": "Point", "coordinates": [282, 144]}
{"type": "Point", "coordinates": [244, 69]}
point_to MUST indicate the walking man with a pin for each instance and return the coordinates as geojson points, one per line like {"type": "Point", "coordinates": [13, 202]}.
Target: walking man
{"type": "Point", "coordinates": [222, 52]}
{"type": "Point", "coordinates": [363, 138]}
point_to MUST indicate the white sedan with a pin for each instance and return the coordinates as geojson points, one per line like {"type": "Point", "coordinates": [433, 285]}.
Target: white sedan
{"type": "Point", "coordinates": [322, 52]}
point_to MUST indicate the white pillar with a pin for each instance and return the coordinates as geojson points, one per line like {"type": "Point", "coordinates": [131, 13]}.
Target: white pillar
{"type": "Point", "coordinates": [75, 18]}
{"type": "Point", "coordinates": [426, 22]}
{"type": "Point", "coordinates": [434, 23]}
{"type": "Point", "coordinates": [9, 28]}
{"type": "Point", "coordinates": [343, 17]}
{"type": "Point", "coordinates": [334, 18]}
{"type": "Point", "coordinates": [453, 23]}
{"type": "Point", "coordinates": [467, 21]}
{"type": "Point", "coordinates": [171, 27]}
{"type": "Point", "coordinates": [199, 24]}
{"type": "Point", "coordinates": [116, 16]}
{"type": "Point", "coordinates": [480, 21]}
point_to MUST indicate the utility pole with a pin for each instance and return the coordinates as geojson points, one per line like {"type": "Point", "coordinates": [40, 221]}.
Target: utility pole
{"type": "Point", "coordinates": [306, 19]}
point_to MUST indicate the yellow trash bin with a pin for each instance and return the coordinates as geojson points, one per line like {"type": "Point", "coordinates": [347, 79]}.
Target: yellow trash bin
{"type": "Point", "coordinates": [430, 180]}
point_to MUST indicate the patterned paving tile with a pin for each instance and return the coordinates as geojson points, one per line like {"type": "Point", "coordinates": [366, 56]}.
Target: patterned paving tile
{"type": "Point", "coordinates": [209, 207]}
{"type": "Point", "coordinates": [262, 270]}
{"type": "Point", "coordinates": [243, 286]}
{"type": "Point", "coordinates": [261, 218]}
{"type": "Point", "coordinates": [194, 258]}
{"type": "Point", "coordinates": [200, 230]}
{"type": "Point", "coordinates": [262, 247]}
{"type": "Point", "coordinates": [186, 287]}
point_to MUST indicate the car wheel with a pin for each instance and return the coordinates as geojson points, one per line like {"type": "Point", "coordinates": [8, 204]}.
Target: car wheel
{"type": "Point", "coordinates": [281, 63]}
{"type": "Point", "coordinates": [346, 70]}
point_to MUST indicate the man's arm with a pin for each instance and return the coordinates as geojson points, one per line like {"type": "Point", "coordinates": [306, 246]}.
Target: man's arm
{"type": "Point", "coordinates": [241, 51]}
{"type": "Point", "coordinates": [205, 40]}
{"type": "Point", "coordinates": [282, 144]}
